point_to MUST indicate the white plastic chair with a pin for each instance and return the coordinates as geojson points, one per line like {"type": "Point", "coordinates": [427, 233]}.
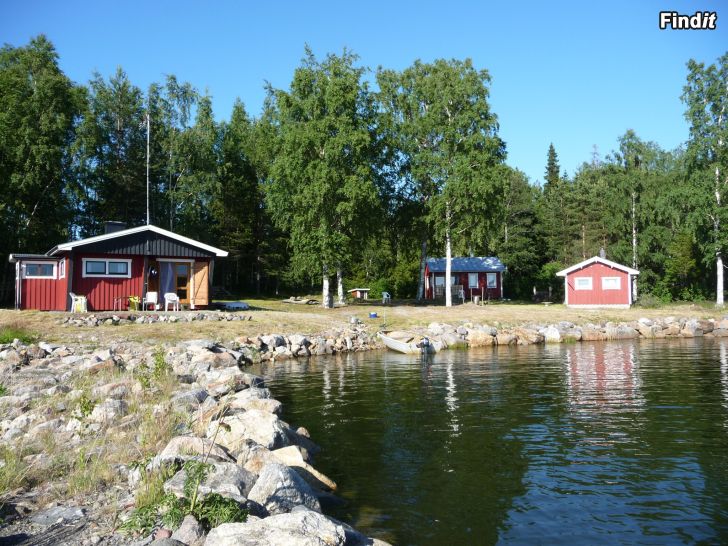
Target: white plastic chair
{"type": "Point", "coordinates": [386, 298]}
{"type": "Point", "coordinates": [170, 298]}
{"type": "Point", "coordinates": [150, 298]}
{"type": "Point", "coordinates": [79, 304]}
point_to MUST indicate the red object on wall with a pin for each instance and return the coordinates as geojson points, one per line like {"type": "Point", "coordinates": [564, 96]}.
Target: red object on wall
{"type": "Point", "coordinates": [598, 282]}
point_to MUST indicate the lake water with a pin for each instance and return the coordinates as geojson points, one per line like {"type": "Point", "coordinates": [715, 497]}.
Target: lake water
{"type": "Point", "coordinates": [603, 443]}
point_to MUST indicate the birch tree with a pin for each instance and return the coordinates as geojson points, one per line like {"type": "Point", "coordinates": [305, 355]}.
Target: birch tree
{"type": "Point", "coordinates": [448, 136]}
{"type": "Point", "coordinates": [322, 189]}
{"type": "Point", "coordinates": [706, 97]}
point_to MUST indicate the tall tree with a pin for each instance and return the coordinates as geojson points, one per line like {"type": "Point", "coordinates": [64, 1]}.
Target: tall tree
{"type": "Point", "coordinates": [322, 189]}
{"type": "Point", "coordinates": [111, 154]}
{"type": "Point", "coordinates": [552, 168]}
{"type": "Point", "coordinates": [449, 137]}
{"type": "Point", "coordinates": [39, 107]}
{"type": "Point", "coordinates": [706, 98]}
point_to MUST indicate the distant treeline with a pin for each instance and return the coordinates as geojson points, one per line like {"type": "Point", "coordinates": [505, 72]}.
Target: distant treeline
{"type": "Point", "coordinates": [336, 179]}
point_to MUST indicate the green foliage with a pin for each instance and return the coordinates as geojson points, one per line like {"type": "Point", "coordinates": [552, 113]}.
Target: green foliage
{"type": "Point", "coordinates": [160, 368]}
{"type": "Point", "coordinates": [85, 405]}
{"type": "Point", "coordinates": [211, 510]}
{"type": "Point", "coordinates": [3, 389]}
{"type": "Point", "coordinates": [9, 333]}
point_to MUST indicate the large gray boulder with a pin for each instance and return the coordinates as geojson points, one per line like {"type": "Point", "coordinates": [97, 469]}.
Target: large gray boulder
{"type": "Point", "coordinates": [300, 528]}
{"type": "Point", "coordinates": [279, 489]}
{"type": "Point", "coordinates": [226, 479]}
{"type": "Point", "coordinates": [262, 427]}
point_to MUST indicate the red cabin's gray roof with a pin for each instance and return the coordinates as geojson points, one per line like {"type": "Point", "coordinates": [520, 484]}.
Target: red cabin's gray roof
{"type": "Point", "coordinates": [466, 265]}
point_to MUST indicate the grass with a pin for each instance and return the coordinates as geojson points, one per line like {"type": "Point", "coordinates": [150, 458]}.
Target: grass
{"type": "Point", "coordinates": [10, 332]}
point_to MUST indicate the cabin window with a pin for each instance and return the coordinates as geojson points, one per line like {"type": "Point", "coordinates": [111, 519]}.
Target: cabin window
{"type": "Point", "coordinates": [439, 281]}
{"type": "Point", "coordinates": [582, 283]}
{"type": "Point", "coordinates": [107, 268]}
{"type": "Point", "coordinates": [611, 283]}
{"type": "Point", "coordinates": [39, 270]}
{"type": "Point", "coordinates": [473, 280]}
{"type": "Point", "coordinates": [454, 280]}
{"type": "Point", "coordinates": [62, 269]}
{"type": "Point", "coordinates": [492, 280]}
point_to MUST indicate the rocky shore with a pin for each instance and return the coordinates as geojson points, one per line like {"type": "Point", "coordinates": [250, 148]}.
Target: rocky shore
{"type": "Point", "coordinates": [484, 335]}
{"type": "Point", "coordinates": [109, 445]}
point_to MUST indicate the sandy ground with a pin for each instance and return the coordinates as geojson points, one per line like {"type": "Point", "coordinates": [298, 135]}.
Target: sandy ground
{"type": "Point", "coordinates": [274, 316]}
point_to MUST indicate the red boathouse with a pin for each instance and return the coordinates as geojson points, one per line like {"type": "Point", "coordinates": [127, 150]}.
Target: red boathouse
{"type": "Point", "coordinates": [478, 276]}
{"type": "Point", "coordinates": [598, 282]}
{"type": "Point", "coordinates": [109, 269]}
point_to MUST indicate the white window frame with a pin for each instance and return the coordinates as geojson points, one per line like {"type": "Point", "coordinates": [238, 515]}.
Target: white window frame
{"type": "Point", "coordinates": [619, 283]}
{"type": "Point", "coordinates": [470, 280]}
{"type": "Point", "coordinates": [40, 262]}
{"type": "Point", "coordinates": [62, 269]}
{"type": "Point", "coordinates": [491, 280]}
{"type": "Point", "coordinates": [106, 275]}
{"type": "Point", "coordinates": [589, 280]}
{"type": "Point", "coordinates": [439, 280]}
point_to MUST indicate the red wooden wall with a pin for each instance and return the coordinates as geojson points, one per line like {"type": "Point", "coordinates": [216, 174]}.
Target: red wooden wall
{"type": "Point", "coordinates": [597, 296]}
{"type": "Point", "coordinates": [100, 292]}
{"type": "Point", "coordinates": [44, 294]}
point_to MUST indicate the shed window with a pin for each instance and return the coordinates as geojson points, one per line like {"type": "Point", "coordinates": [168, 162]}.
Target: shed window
{"type": "Point", "coordinates": [473, 280]}
{"type": "Point", "coordinates": [107, 268]}
{"type": "Point", "coordinates": [40, 270]}
{"type": "Point", "coordinates": [582, 283]}
{"type": "Point", "coordinates": [492, 280]}
{"type": "Point", "coordinates": [611, 283]}
{"type": "Point", "coordinates": [62, 269]}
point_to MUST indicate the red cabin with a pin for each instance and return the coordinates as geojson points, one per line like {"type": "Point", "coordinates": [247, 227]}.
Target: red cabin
{"type": "Point", "coordinates": [598, 282]}
{"type": "Point", "coordinates": [110, 269]}
{"type": "Point", "coordinates": [479, 276]}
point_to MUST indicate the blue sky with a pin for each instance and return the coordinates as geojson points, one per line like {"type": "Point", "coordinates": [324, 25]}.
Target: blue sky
{"type": "Point", "coordinates": [577, 74]}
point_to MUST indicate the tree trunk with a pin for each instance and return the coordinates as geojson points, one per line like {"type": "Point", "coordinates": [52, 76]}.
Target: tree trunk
{"type": "Point", "coordinates": [448, 258]}
{"type": "Point", "coordinates": [719, 301]}
{"type": "Point", "coordinates": [423, 261]}
{"type": "Point", "coordinates": [327, 302]}
{"type": "Point", "coordinates": [340, 286]}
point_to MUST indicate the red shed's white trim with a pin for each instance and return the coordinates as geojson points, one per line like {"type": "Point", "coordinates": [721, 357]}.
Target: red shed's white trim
{"type": "Point", "coordinates": [597, 259]}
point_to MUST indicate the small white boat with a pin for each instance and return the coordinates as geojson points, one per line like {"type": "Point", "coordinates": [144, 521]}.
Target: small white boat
{"type": "Point", "coordinates": [409, 343]}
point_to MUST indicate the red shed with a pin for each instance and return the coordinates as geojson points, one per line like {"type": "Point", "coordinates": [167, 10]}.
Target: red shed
{"type": "Point", "coordinates": [478, 276]}
{"type": "Point", "coordinates": [109, 269]}
{"type": "Point", "coordinates": [598, 282]}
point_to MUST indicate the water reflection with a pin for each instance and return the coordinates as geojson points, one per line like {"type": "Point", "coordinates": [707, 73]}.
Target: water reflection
{"type": "Point", "coordinates": [604, 377]}
{"type": "Point", "coordinates": [587, 443]}
{"type": "Point", "coordinates": [723, 358]}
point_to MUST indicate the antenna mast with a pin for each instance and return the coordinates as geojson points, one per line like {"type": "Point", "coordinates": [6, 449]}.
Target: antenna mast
{"type": "Point", "coordinates": [148, 131]}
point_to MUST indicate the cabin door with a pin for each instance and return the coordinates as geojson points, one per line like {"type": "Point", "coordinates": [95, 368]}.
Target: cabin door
{"type": "Point", "coordinates": [175, 277]}
{"type": "Point", "coordinates": [182, 282]}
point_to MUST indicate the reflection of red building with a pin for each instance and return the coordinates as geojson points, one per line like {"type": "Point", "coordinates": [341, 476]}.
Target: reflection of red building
{"type": "Point", "coordinates": [598, 282]}
{"type": "Point", "coordinates": [603, 375]}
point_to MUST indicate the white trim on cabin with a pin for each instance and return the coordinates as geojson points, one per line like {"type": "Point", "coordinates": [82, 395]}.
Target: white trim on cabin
{"type": "Point", "coordinates": [586, 281]}
{"type": "Point", "coordinates": [62, 268]}
{"type": "Point", "coordinates": [488, 279]}
{"type": "Point", "coordinates": [73, 244]}
{"type": "Point", "coordinates": [470, 280]}
{"type": "Point", "coordinates": [597, 259]}
{"type": "Point", "coordinates": [106, 275]}
{"type": "Point", "coordinates": [616, 283]}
